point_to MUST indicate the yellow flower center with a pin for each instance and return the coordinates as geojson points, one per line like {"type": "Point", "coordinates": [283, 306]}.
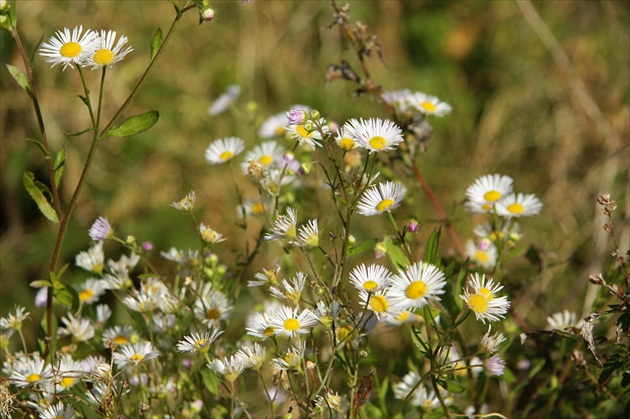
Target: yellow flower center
{"type": "Point", "coordinates": [486, 293]}
{"type": "Point", "coordinates": [279, 130]}
{"type": "Point", "coordinates": [428, 106]}
{"type": "Point", "coordinates": [384, 205]}
{"type": "Point", "coordinates": [402, 316]}
{"type": "Point", "coordinates": [302, 132]}
{"type": "Point", "coordinates": [258, 209]}
{"type": "Point", "coordinates": [343, 332]}
{"type": "Point", "coordinates": [86, 295]}
{"type": "Point", "coordinates": [492, 196]}
{"type": "Point", "coordinates": [226, 155]}
{"type": "Point", "coordinates": [312, 240]}
{"type": "Point", "coordinates": [416, 289]}
{"type": "Point", "coordinates": [66, 381]}
{"type": "Point", "coordinates": [103, 57]}
{"type": "Point", "coordinates": [516, 208]}
{"type": "Point", "coordinates": [291, 233]}
{"type": "Point", "coordinates": [269, 331]}
{"type": "Point", "coordinates": [346, 143]}
{"type": "Point", "coordinates": [265, 160]}
{"type": "Point", "coordinates": [213, 313]}
{"type": "Point", "coordinates": [369, 285]}
{"type": "Point", "coordinates": [478, 303]}
{"type": "Point", "coordinates": [146, 306]}
{"type": "Point", "coordinates": [121, 340]}
{"type": "Point", "coordinates": [481, 256]}
{"type": "Point", "coordinates": [200, 343]}
{"type": "Point", "coordinates": [33, 377]}
{"type": "Point", "coordinates": [209, 235]}
{"type": "Point", "coordinates": [379, 304]}
{"type": "Point", "coordinates": [71, 49]}
{"type": "Point", "coordinates": [378, 142]}
{"type": "Point", "coordinates": [136, 358]}
{"type": "Point", "coordinates": [291, 324]}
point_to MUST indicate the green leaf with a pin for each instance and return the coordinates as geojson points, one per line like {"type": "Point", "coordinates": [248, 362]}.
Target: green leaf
{"type": "Point", "coordinates": [39, 144]}
{"type": "Point", "coordinates": [210, 380]}
{"type": "Point", "coordinates": [67, 296]}
{"type": "Point", "coordinates": [19, 77]}
{"type": "Point", "coordinates": [76, 134]}
{"type": "Point", "coordinates": [366, 245]}
{"type": "Point", "coordinates": [40, 283]}
{"type": "Point", "coordinates": [419, 341]}
{"type": "Point", "coordinates": [60, 164]}
{"type": "Point", "coordinates": [452, 386]}
{"type": "Point", "coordinates": [431, 248]}
{"type": "Point", "coordinates": [158, 39]}
{"type": "Point", "coordinates": [396, 255]}
{"type": "Point", "coordinates": [38, 196]}
{"type": "Point", "coordinates": [134, 125]}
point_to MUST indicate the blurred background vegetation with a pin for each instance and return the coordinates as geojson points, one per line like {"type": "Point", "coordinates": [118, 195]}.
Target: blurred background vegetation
{"type": "Point", "coordinates": [562, 135]}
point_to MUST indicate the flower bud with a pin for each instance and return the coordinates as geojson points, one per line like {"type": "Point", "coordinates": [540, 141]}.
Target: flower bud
{"type": "Point", "coordinates": [315, 114]}
{"type": "Point", "coordinates": [380, 249]}
{"type": "Point", "coordinates": [206, 14]}
{"type": "Point", "coordinates": [413, 225]}
{"type": "Point", "coordinates": [297, 117]}
{"type": "Point", "coordinates": [352, 240]}
{"type": "Point", "coordinates": [309, 126]}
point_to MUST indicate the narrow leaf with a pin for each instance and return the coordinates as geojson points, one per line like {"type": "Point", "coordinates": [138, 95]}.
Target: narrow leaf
{"type": "Point", "coordinates": [39, 144]}
{"type": "Point", "coordinates": [419, 341]}
{"type": "Point", "coordinates": [76, 134]}
{"type": "Point", "coordinates": [134, 125]}
{"type": "Point", "coordinates": [67, 296]}
{"type": "Point", "coordinates": [396, 255]}
{"type": "Point", "coordinates": [40, 283]}
{"type": "Point", "coordinates": [158, 39]}
{"type": "Point", "coordinates": [38, 196]}
{"type": "Point", "coordinates": [431, 248]}
{"type": "Point", "coordinates": [452, 386]}
{"type": "Point", "coordinates": [366, 245]}
{"type": "Point", "coordinates": [60, 164]}
{"type": "Point", "coordinates": [19, 77]}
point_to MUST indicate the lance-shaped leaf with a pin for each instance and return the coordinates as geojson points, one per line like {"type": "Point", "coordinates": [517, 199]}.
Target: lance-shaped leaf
{"type": "Point", "coordinates": [365, 245]}
{"type": "Point", "coordinates": [396, 255]}
{"type": "Point", "coordinates": [19, 77]}
{"type": "Point", "coordinates": [431, 248]}
{"type": "Point", "coordinates": [157, 42]}
{"type": "Point", "coordinates": [38, 196]}
{"type": "Point", "coordinates": [60, 164]}
{"type": "Point", "coordinates": [134, 125]}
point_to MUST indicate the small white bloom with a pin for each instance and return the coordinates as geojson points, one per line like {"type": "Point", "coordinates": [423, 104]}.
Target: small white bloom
{"type": "Point", "coordinates": [224, 150]}
{"type": "Point", "coordinates": [417, 285]}
{"type": "Point", "coordinates": [93, 259]}
{"type": "Point", "coordinates": [370, 278]}
{"type": "Point", "coordinates": [483, 301]}
{"type": "Point", "coordinates": [429, 105]}
{"type": "Point", "coordinates": [106, 54]}
{"type": "Point", "coordinates": [287, 321]}
{"type": "Point", "coordinates": [67, 49]}
{"type": "Point", "coordinates": [521, 205]}
{"type": "Point", "coordinates": [223, 102]}
{"type": "Point", "coordinates": [134, 354]}
{"type": "Point", "coordinates": [274, 126]}
{"type": "Point", "coordinates": [374, 134]}
{"type": "Point", "coordinates": [80, 329]}
{"type": "Point", "coordinates": [486, 192]}
{"type": "Point", "coordinates": [230, 368]}
{"type": "Point", "coordinates": [382, 198]}
{"type": "Point", "coordinates": [284, 226]}
{"type": "Point", "coordinates": [196, 342]}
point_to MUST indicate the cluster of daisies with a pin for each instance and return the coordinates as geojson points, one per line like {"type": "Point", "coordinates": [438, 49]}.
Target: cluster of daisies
{"type": "Point", "coordinates": [85, 49]}
{"type": "Point", "coordinates": [493, 195]}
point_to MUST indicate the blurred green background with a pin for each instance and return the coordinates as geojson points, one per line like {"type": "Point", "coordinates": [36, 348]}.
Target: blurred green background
{"type": "Point", "coordinates": [562, 136]}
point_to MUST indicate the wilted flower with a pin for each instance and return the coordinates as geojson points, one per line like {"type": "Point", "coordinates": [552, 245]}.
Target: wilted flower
{"type": "Point", "coordinates": [494, 365]}
{"type": "Point", "coordinates": [101, 230]}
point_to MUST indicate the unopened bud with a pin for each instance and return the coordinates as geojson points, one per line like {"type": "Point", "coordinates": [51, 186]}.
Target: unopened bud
{"type": "Point", "coordinates": [413, 226]}
{"type": "Point", "coordinates": [380, 250]}
{"type": "Point", "coordinates": [309, 126]}
{"type": "Point", "coordinates": [351, 239]}
{"type": "Point", "coordinates": [206, 14]}
{"type": "Point", "coordinates": [315, 114]}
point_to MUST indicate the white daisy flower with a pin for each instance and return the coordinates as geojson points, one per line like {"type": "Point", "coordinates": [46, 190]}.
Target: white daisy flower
{"type": "Point", "coordinates": [187, 203]}
{"type": "Point", "coordinates": [284, 226]}
{"type": "Point", "coordinates": [14, 321]}
{"type": "Point", "coordinates": [223, 102]}
{"type": "Point", "coordinates": [564, 320]}
{"type": "Point", "coordinates": [311, 138]}
{"type": "Point", "coordinates": [274, 126]}
{"type": "Point", "coordinates": [252, 208]}
{"type": "Point", "coordinates": [346, 140]}
{"type": "Point", "coordinates": [381, 198]}
{"type": "Point", "coordinates": [93, 259]}
{"type": "Point", "coordinates": [80, 329]}
{"type": "Point", "coordinates": [267, 276]}
{"type": "Point", "coordinates": [265, 154]}
{"type": "Point", "coordinates": [120, 335]}
{"type": "Point", "coordinates": [292, 359]}
{"type": "Point", "coordinates": [374, 134]}
{"type": "Point", "coordinates": [398, 99]}
{"type": "Point", "coordinates": [421, 396]}
{"type": "Point", "coordinates": [486, 192]}
{"type": "Point", "coordinates": [91, 364]}
{"type": "Point", "coordinates": [252, 356]}
{"type": "Point", "coordinates": [308, 234]}
{"type": "Point", "coordinates": [106, 54]}
{"type": "Point", "coordinates": [164, 322]}
{"type": "Point", "coordinates": [118, 279]}
{"type": "Point", "coordinates": [209, 235]}
{"type": "Point", "coordinates": [195, 342]}
{"type": "Point", "coordinates": [224, 150]}
{"type": "Point", "coordinates": [213, 307]}
{"type": "Point", "coordinates": [287, 321]}
{"type": "Point", "coordinates": [380, 304]}
{"type": "Point", "coordinates": [103, 313]}
{"type": "Point", "coordinates": [134, 354]}
{"type": "Point", "coordinates": [67, 49]}
{"type": "Point", "coordinates": [483, 301]}
{"type": "Point", "coordinates": [507, 230]}
{"type": "Point", "coordinates": [230, 368]}
{"type": "Point", "coordinates": [370, 278]}
{"type": "Point", "coordinates": [402, 318]}
{"type": "Point", "coordinates": [68, 373]}
{"type": "Point", "coordinates": [521, 205]}
{"type": "Point", "coordinates": [31, 370]}
{"type": "Point", "coordinates": [142, 302]}
{"type": "Point", "coordinates": [491, 344]}
{"type": "Point", "coordinates": [484, 253]}
{"type": "Point", "coordinates": [429, 105]}
{"type": "Point", "coordinates": [330, 400]}
{"type": "Point", "coordinates": [418, 284]}
{"type": "Point", "coordinates": [59, 411]}
{"type": "Point", "coordinates": [259, 325]}
{"type": "Point", "coordinates": [290, 291]}
{"type": "Point", "coordinates": [91, 290]}
{"type": "Point", "coordinates": [125, 262]}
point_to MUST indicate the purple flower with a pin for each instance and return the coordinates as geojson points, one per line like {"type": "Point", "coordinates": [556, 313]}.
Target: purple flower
{"type": "Point", "coordinates": [100, 230]}
{"type": "Point", "coordinates": [147, 246]}
{"type": "Point", "coordinates": [495, 365]}
{"type": "Point", "coordinates": [297, 117]}
{"type": "Point", "coordinates": [413, 226]}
